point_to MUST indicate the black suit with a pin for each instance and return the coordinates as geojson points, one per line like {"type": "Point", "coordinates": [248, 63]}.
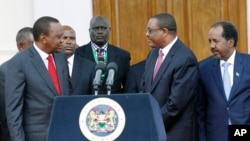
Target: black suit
{"type": "Point", "coordinates": [82, 75]}
{"type": "Point", "coordinates": [175, 89]}
{"type": "Point", "coordinates": [4, 132]}
{"type": "Point", "coordinates": [134, 77]}
{"type": "Point", "coordinates": [115, 54]}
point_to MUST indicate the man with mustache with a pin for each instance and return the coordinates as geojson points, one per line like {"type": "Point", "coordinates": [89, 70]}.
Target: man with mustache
{"type": "Point", "coordinates": [224, 97]}
{"type": "Point", "coordinates": [171, 76]}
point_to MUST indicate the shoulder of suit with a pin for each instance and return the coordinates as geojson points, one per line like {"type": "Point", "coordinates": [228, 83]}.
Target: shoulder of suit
{"type": "Point", "coordinates": [118, 48]}
{"type": "Point", "coordinates": [81, 49]}
{"type": "Point", "coordinates": [207, 62]}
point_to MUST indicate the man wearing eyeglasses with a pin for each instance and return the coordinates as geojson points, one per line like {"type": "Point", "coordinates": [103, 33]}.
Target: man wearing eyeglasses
{"type": "Point", "coordinates": [171, 76]}
{"type": "Point", "coordinates": [99, 50]}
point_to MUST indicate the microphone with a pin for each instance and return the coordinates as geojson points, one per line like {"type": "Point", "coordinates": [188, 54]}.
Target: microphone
{"type": "Point", "coordinates": [99, 69]}
{"type": "Point", "coordinates": [111, 68]}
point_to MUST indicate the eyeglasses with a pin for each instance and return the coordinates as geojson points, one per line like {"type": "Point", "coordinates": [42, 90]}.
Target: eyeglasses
{"type": "Point", "coordinates": [102, 28]}
{"type": "Point", "coordinates": [152, 30]}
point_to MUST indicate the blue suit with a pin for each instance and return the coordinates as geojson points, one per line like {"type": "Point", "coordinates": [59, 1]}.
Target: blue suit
{"type": "Point", "coordinates": [213, 108]}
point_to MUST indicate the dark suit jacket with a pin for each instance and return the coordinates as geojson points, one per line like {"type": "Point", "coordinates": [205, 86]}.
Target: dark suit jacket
{"type": "Point", "coordinates": [115, 54]}
{"type": "Point", "coordinates": [134, 77]}
{"type": "Point", "coordinates": [175, 89]}
{"type": "Point", "coordinates": [4, 132]}
{"type": "Point", "coordinates": [30, 94]}
{"type": "Point", "coordinates": [213, 107]}
{"type": "Point", "coordinates": [82, 75]}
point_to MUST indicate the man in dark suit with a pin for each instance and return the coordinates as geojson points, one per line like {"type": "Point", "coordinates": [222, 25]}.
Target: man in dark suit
{"type": "Point", "coordinates": [175, 83]}
{"type": "Point", "coordinates": [99, 50]}
{"type": "Point", "coordinates": [24, 39]}
{"type": "Point", "coordinates": [220, 105]}
{"type": "Point", "coordinates": [81, 69]}
{"type": "Point", "coordinates": [31, 88]}
{"type": "Point", "coordinates": [134, 77]}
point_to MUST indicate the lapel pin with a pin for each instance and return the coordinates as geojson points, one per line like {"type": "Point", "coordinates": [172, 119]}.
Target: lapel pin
{"type": "Point", "coordinates": [237, 74]}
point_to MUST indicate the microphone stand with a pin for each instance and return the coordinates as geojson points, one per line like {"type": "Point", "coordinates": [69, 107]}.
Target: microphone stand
{"type": "Point", "coordinates": [108, 89]}
{"type": "Point", "coordinates": [96, 89]}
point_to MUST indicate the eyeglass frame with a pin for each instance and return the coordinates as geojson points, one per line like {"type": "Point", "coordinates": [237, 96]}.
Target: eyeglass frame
{"type": "Point", "coordinates": [148, 30]}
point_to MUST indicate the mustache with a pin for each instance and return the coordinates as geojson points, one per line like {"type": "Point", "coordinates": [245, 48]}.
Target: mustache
{"type": "Point", "coordinates": [214, 50]}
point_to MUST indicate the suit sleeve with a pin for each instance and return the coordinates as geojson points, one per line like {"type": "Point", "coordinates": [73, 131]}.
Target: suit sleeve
{"type": "Point", "coordinates": [15, 84]}
{"type": "Point", "coordinates": [130, 86]}
{"type": "Point", "coordinates": [200, 109]}
{"type": "Point", "coordinates": [127, 66]}
{"type": "Point", "coordinates": [183, 91]}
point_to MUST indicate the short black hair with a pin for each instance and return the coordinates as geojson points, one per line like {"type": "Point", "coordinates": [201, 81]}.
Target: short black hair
{"type": "Point", "coordinates": [166, 20]}
{"type": "Point", "coordinates": [42, 26]}
{"type": "Point", "coordinates": [229, 30]}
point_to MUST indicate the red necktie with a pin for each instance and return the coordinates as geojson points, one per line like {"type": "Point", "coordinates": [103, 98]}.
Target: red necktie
{"type": "Point", "coordinates": [53, 74]}
{"type": "Point", "coordinates": [158, 63]}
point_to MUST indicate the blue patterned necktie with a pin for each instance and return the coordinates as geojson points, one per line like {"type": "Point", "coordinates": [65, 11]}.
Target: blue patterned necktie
{"type": "Point", "coordinates": [226, 79]}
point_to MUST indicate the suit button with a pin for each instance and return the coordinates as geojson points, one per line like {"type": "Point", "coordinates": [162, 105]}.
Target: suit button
{"type": "Point", "coordinates": [228, 108]}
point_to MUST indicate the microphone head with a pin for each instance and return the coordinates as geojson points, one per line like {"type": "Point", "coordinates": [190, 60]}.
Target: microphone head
{"type": "Point", "coordinates": [100, 66]}
{"type": "Point", "coordinates": [112, 65]}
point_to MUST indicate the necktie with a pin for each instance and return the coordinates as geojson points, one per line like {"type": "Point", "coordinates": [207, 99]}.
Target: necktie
{"type": "Point", "coordinates": [226, 79]}
{"type": "Point", "coordinates": [100, 55]}
{"type": "Point", "coordinates": [53, 74]}
{"type": "Point", "coordinates": [158, 63]}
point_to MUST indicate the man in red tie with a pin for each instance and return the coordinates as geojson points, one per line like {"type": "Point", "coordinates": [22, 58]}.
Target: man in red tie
{"type": "Point", "coordinates": [30, 89]}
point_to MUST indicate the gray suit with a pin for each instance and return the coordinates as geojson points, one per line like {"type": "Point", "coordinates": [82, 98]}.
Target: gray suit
{"type": "Point", "coordinates": [4, 132]}
{"type": "Point", "coordinates": [30, 94]}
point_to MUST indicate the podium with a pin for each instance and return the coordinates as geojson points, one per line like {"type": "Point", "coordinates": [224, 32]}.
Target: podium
{"type": "Point", "coordinates": [142, 119]}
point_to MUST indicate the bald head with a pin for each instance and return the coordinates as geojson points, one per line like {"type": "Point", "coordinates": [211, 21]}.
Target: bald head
{"type": "Point", "coordinates": [99, 19]}
{"type": "Point", "coordinates": [99, 30]}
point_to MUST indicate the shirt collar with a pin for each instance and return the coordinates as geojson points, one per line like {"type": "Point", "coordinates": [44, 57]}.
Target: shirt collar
{"type": "Point", "coordinates": [230, 60]}
{"type": "Point", "coordinates": [166, 49]}
{"type": "Point", "coordinates": [43, 54]}
{"type": "Point", "coordinates": [95, 46]}
{"type": "Point", "coordinates": [71, 59]}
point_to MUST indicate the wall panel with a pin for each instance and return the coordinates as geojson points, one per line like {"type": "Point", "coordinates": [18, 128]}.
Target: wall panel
{"type": "Point", "coordinates": [194, 17]}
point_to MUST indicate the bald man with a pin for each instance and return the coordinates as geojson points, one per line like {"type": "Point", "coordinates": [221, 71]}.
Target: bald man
{"type": "Point", "coordinates": [81, 69]}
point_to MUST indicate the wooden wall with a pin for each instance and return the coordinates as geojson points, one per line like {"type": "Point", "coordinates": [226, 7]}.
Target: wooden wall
{"type": "Point", "coordinates": [128, 19]}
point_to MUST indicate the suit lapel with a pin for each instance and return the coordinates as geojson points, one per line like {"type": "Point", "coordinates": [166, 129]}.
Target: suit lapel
{"type": "Point", "coordinates": [165, 63]}
{"type": "Point", "coordinates": [41, 69]}
{"type": "Point", "coordinates": [163, 68]}
{"type": "Point", "coordinates": [59, 70]}
{"type": "Point", "coordinates": [238, 71]}
{"type": "Point", "coordinates": [112, 55]}
{"type": "Point", "coordinates": [78, 68]}
{"type": "Point", "coordinates": [216, 72]}
{"type": "Point", "coordinates": [88, 53]}
{"type": "Point", "coordinates": [149, 69]}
